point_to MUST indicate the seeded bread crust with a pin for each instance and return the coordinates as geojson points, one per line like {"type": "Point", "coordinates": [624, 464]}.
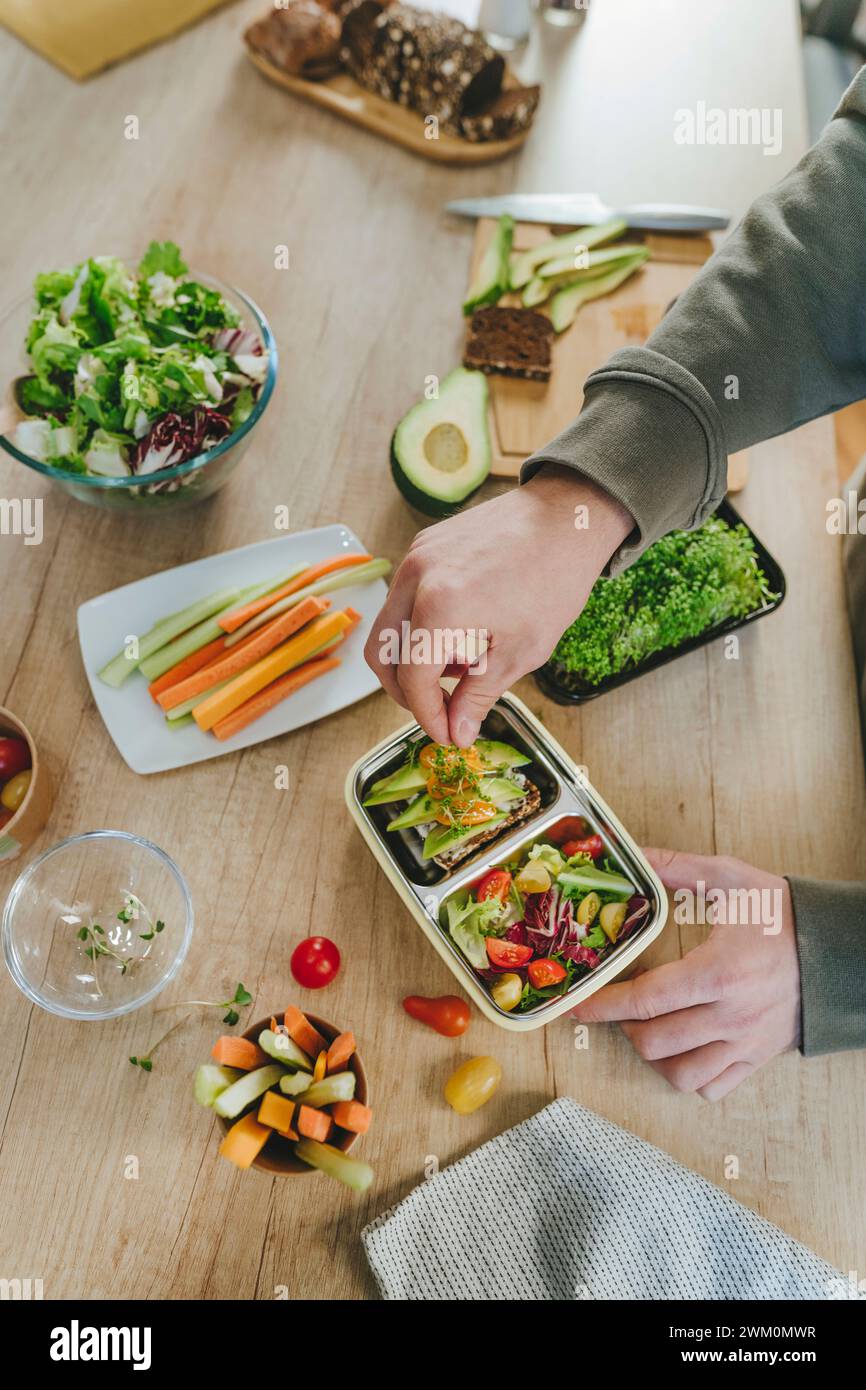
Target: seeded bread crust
{"type": "Point", "coordinates": [427, 61]}
{"type": "Point", "coordinates": [510, 113]}
{"type": "Point", "coordinates": [528, 806]}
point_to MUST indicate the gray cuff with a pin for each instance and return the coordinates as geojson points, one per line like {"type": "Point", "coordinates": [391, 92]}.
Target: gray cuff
{"type": "Point", "coordinates": [650, 435]}
{"type": "Point", "coordinates": [830, 922]}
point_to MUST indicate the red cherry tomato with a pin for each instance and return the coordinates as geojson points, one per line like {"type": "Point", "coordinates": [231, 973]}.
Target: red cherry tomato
{"type": "Point", "coordinates": [448, 1015]}
{"type": "Point", "coordinates": [14, 757]}
{"type": "Point", "coordinates": [569, 828]}
{"type": "Point", "coordinates": [544, 972]}
{"type": "Point", "coordinates": [315, 962]}
{"type": "Point", "coordinates": [5, 817]}
{"type": "Point", "coordinates": [507, 953]}
{"type": "Point", "coordinates": [593, 845]}
{"type": "Point", "coordinates": [496, 884]}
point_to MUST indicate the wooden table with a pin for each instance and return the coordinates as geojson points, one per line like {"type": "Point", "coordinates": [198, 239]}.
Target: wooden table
{"type": "Point", "coordinates": [759, 756]}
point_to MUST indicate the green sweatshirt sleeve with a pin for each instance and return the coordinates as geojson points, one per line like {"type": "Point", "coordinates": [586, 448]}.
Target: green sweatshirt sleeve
{"type": "Point", "coordinates": [770, 334]}
{"type": "Point", "coordinates": [830, 922]}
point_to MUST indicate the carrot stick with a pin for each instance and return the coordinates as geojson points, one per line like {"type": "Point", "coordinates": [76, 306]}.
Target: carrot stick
{"type": "Point", "coordinates": [229, 622]}
{"type": "Point", "coordinates": [292, 653]}
{"type": "Point", "coordinates": [273, 694]}
{"type": "Point", "coordinates": [244, 654]}
{"type": "Point", "coordinates": [188, 666]}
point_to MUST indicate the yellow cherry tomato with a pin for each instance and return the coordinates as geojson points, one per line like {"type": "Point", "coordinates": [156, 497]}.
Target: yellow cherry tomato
{"type": "Point", "coordinates": [611, 918]}
{"type": "Point", "coordinates": [533, 878]}
{"type": "Point", "coordinates": [473, 1084]}
{"type": "Point", "coordinates": [15, 790]}
{"type": "Point", "coordinates": [506, 990]}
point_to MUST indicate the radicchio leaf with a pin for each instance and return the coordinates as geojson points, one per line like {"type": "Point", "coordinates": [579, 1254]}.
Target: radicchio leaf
{"type": "Point", "coordinates": [238, 342]}
{"type": "Point", "coordinates": [176, 438]}
{"type": "Point", "coordinates": [637, 910]}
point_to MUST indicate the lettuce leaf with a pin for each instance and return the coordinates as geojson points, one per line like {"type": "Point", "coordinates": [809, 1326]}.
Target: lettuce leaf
{"type": "Point", "coordinates": [164, 256]}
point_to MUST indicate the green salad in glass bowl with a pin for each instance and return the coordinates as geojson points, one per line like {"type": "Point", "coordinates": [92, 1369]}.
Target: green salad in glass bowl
{"type": "Point", "coordinates": [135, 388]}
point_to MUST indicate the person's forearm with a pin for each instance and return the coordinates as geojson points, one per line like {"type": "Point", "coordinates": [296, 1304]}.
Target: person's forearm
{"type": "Point", "coordinates": [830, 923]}
{"type": "Point", "coordinates": [769, 335]}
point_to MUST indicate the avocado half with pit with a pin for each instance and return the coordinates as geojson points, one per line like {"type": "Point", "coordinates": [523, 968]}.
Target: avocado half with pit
{"type": "Point", "coordinates": [440, 451]}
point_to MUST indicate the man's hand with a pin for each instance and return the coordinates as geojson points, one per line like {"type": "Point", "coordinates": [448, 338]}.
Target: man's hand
{"type": "Point", "coordinates": [706, 1022]}
{"type": "Point", "coordinates": [514, 571]}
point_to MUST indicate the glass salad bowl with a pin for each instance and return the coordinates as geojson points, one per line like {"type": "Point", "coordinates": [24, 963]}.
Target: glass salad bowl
{"type": "Point", "coordinates": [97, 925]}
{"type": "Point", "coordinates": [165, 489]}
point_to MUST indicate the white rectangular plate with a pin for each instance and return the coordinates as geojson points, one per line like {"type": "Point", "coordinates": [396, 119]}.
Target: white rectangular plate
{"type": "Point", "coordinates": [135, 721]}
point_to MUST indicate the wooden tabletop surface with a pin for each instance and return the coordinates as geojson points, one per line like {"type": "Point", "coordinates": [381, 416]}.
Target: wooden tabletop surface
{"type": "Point", "coordinates": [758, 756]}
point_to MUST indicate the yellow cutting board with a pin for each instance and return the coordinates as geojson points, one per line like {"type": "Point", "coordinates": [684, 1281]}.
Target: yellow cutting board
{"type": "Point", "coordinates": [525, 415]}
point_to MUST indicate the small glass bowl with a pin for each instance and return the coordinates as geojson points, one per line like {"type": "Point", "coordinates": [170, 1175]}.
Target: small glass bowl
{"type": "Point", "coordinates": [76, 885]}
{"type": "Point", "coordinates": [169, 488]}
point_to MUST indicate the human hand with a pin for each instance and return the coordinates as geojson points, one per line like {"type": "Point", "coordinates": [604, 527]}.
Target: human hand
{"type": "Point", "coordinates": [706, 1022]}
{"type": "Point", "coordinates": [515, 571]}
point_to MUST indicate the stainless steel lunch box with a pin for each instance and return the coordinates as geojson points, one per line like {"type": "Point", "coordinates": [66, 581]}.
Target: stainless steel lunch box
{"type": "Point", "coordinates": [425, 887]}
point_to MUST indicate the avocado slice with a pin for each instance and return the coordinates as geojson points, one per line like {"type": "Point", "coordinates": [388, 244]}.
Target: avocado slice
{"type": "Point", "coordinates": [496, 754]}
{"type": "Point", "coordinates": [494, 272]}
{"type": "Point", "coordinates": [440, 451]}
{"type": "Point", "coordinates": [445, 837]}
{"type": "Point", "coordinates": [567, 301]}
{"type": "Point", "coordinates": [523, 265]}
{"type": "Point", "coordinates": [500, 790]}
{"type": "Point", "coordinates": [403, 783]}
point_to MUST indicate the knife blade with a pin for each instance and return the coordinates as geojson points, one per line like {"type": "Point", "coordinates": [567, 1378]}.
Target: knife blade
{"type": "Point", "coordinates": [587, 209]}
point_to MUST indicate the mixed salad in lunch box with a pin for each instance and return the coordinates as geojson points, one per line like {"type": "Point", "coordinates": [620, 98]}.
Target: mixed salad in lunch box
{"type": "Point", "coordinates": [536, 925]}
{"type": "Point", "coordinates": [133, 371]}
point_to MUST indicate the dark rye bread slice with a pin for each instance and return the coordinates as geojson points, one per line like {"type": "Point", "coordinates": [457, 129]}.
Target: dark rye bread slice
{"type": "Point", "coordinates": [509, 342]}
{"type": "Point", "coordinates": [509, 114]}
{"type": "Point", "coordinates": [428, 61]}
{"type": "Point", "coordinates": [528, 806]}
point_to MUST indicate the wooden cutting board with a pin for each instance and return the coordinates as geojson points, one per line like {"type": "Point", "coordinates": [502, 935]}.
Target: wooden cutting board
{"type": "Point", "coordinates": [524, 415]}
{"type": "Point", "coordinates": [344, 97]}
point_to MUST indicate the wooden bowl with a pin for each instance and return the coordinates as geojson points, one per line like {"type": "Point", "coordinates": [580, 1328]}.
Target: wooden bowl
{"type": "Point", "coordinates": [20, 832]}
{"type": "Point", "coordinates": [278, 1155]}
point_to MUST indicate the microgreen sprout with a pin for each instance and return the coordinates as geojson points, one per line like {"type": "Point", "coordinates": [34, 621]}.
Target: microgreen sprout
{"type": "Point", "coordinates": [98, 942]}
{"type": "Point", "coordinates": [241, 997]}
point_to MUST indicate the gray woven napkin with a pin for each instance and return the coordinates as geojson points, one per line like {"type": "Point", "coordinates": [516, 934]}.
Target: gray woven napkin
{"type": "Point", "coordinates": [570, 1206]}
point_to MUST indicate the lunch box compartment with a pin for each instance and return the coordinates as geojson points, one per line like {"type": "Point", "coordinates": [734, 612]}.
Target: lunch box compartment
{"type": "Point", "coordinates": [406, 844]}
{"type": "Point", "coordinates": [617, 851]}
{"type": "Point", "coordinates": [565, 792]}
{"type": "Point", "coordinates": [567, 688]}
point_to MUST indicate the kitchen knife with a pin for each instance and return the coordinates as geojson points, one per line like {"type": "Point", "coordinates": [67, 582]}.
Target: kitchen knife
{"type": "Point", "coordinates": [587, 209]}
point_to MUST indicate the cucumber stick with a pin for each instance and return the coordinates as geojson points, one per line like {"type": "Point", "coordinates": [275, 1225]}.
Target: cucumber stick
{"type": "Point", "coordinates": [494, 273]}
{"type": "Point", "coordinates": [329, 1090]}
{"type": "Point", "coordinates": [335, 1163]}
{"type": "Point", "coordinates": [566, 302]}
{"type": "Point", "coordinates": [283, 1049]}
{"type": "Point", "coordinates": [294, 1082]}
{"type": "Point", "coordinates": [190, 638]}
{"type": "Point", "coordinates": [121, 666]}
{"type": "Point", "coordinates": [211, 1081]}
{"type": "Point", "coordinates": [524, 263]}
{"type": "Point", "coordinates": [237, 1097]}
{"type": "Point", "coordinates": [595, 880]}
{"type": "Point", "coordinates": [355, 574]}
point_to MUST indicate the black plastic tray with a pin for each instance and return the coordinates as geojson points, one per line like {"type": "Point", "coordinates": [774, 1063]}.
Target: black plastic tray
{"type": "Point", "coordinates": [568, 689]}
